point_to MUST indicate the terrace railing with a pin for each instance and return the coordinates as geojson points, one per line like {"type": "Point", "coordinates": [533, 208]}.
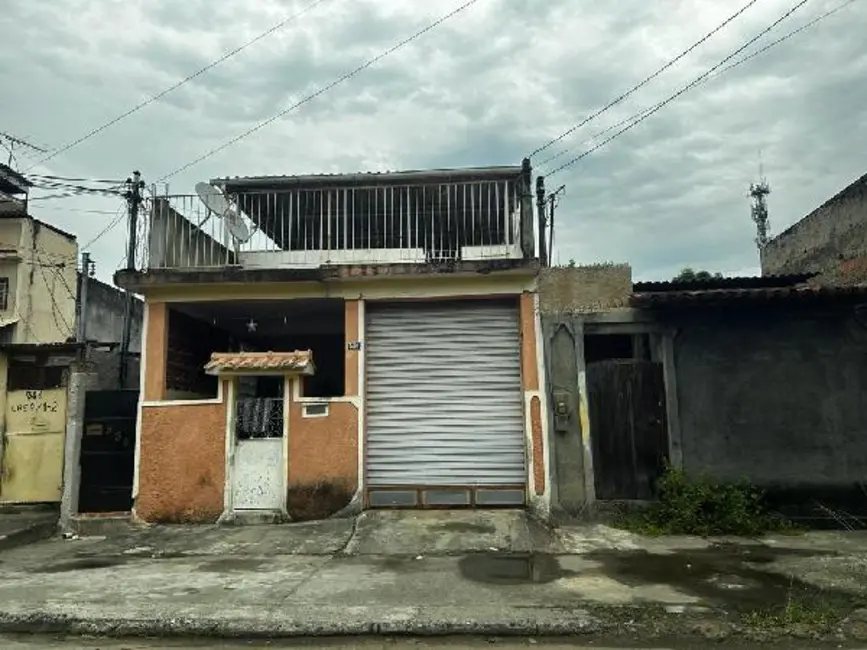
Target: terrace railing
{"type": "Point", "coordinates": [337, 225]}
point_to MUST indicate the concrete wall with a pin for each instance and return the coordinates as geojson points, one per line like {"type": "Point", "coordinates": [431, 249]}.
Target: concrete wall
{"type": "Point", "coordinates": [577, 289]}
{"type": "Point", "coordinates": [831, 241]}
{"type": "Point", "coordinates": [104, 314]}
{"type": "Point", "coordinates": [175, 242]}
{"type": "Point", "coordinates": [42, 282]}
{"type": "Point", "coordinates": [774, 395]}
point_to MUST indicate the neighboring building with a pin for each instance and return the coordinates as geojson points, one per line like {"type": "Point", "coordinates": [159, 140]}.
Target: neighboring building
{"type": "Point", "coordinates": [37, 327]}
{"type": "Point", "coordinates": [333, 341]}
{"type": "Point", "coordinates": [104, 313]}
{"type": "Point", "coordinates": [830, 242]}
{"type": "Point", "coordinates": [756, 379]}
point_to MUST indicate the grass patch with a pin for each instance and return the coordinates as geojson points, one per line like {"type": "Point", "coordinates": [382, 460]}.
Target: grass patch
{"type": "Point", "coordinates": [799, 611]}
{"type": "Point", "coordinates": [695, 506]}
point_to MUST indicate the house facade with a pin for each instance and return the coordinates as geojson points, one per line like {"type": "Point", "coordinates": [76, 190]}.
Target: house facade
{"type": "Point", "coordinates": [37, 325]}
{"type": "Point", "coordinates": [732, 379]}
{"type": "Point", "coordinates": [318, 343]}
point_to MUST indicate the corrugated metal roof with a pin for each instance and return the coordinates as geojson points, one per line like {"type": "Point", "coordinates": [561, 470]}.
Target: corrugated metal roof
{"type": "Point", "coordinates": [705, 296]}
{"type": "Point", "coordinates": [744, 282]}
{"type": "Point", "coordinates": [493, 172]}
{"type": "Point", "coordinates": [298, 361]}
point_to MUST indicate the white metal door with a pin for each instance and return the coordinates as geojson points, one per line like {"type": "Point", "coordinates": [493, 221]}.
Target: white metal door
{"type": "Point", "coordinates": [258, 474]}
{"type": "Point", "coordinates": [258, 471]}
{"type": "Point", "coordinates": [444, 401]}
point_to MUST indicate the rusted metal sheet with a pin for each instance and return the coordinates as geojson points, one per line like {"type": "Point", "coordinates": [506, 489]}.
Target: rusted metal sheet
{"type": "Point", "coordinates": [32, 467]}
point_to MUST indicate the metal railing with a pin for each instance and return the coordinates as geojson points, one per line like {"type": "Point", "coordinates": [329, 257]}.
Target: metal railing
{"type": "Point", "coordinates": [336, 225]}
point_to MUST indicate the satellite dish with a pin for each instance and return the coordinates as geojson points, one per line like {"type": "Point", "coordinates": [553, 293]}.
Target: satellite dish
{"type": "Point", "coordinates": [213, 199]}
{"type": "Point", "coordinates": [218, 204]}
{"type": "Point", "coordinates": [236, 227]}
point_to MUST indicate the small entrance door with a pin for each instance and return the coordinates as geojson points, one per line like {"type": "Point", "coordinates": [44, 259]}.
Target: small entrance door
{"type": "Point", "coordinates": [32, 463]}
{"type": "Point", "coordinates": [628, 424]}
{"type": "Point", "coordinates": [108, 451]}
{"type": "Point", "coordinates": [259, 470]}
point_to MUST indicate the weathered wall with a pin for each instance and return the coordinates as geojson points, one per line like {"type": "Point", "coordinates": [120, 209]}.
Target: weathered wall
{"type": "Point", "coordinates": [182, 463]}
{"type": "Point", "coordinates": [775, 396]}
{"type": "Point", "coordinates": [323, 457]}
{"type": "Point", "coordinates": [323, 451]}
{"type": "Point", "coordinates": [104, 313]}
{"type": "Point", "coordinates": [532, 402]}
{"type": "Point", "coordinates": [45, 284]}
{"type": "Point", "coordinates": [831, 241]}
{"type": "Point", "coordinates": [584, 288]}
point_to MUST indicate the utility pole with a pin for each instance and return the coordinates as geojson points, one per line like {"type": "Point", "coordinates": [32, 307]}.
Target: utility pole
{"type": "Point", "coordinates": [552, 203]}
{"type": "Point", "coordinates": [133, 197]}
{"type": "Point", "coordinates": [541, 211]}
{"type": "Point", "coordinates": [86, 274]}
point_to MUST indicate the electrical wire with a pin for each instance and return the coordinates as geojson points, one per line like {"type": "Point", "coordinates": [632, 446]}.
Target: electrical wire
{"type": "Point", "coordinates": [715, 75]}
{"type": "Point", "coordinates": [160, 95]}
{"type": "Point", "coordinates": [647, 80]}
{"type": "Point", "coordinates": [119, 216]}
{"type": "Point", "coordinates": [56, 312]}
{"type": "Point", "coordinates": [74, 180]}
{"type": "Point", "coordinates": [680, 92]}
{"type": "Point", "coordinates": [322, 90]}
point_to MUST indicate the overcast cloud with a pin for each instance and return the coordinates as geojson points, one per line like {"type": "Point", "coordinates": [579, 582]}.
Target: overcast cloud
{"type": "Point", "coordinates": [487, 87]}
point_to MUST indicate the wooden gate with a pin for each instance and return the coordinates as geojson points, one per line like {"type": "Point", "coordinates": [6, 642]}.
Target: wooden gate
{"type": "Point", "coordinates": [627, 416]}
{"type": "Point", "coordinates": [108, 451]}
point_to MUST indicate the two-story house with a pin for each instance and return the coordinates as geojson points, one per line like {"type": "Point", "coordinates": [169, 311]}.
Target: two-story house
{"type": "Point", "coordinates": [313, 343]}
{"type": "Point", "coordinates": [37, 324]}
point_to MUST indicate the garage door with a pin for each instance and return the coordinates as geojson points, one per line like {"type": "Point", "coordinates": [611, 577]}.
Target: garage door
{"type": "Point", "coordinates": [444, 405]}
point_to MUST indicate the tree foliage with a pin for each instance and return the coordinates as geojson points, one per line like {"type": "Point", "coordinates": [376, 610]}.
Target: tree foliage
{"type": "Point", "coordinates": [691, 275]}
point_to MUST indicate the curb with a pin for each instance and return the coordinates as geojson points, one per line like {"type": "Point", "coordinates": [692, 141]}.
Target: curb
{"type": "Point", "coordinates": [564, 623]}
{"type": "Point", "coordinates": [27, 535]}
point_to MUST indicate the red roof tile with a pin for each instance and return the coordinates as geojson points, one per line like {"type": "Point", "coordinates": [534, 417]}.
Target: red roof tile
{"type": "Point", "coordinates": [298, 361]}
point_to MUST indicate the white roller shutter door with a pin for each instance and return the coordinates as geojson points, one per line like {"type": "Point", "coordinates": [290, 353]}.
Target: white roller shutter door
{"type": "Point", "coordinates": [444, 401]}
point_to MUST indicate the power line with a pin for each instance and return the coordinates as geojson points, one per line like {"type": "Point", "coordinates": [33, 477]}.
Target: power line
{"type": "Point", "coordinates": [322, 90]}
{"type": "Point", "coordinates": [75, 180]}
{"type": "Point", "coordinates": [680, 92]}
{"type": "Point", "coordinates": [118, 218]}
{"type": "Point", "coordinates": [174, 87]}
{"type": "Point", "coordinates": [647, 80]}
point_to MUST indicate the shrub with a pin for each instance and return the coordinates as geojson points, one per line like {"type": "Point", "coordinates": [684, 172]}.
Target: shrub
{"type": "Point", "coordinates": [691, 506]}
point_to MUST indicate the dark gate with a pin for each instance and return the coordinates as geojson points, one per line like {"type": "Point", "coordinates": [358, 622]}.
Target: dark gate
{"type": "Point", "coordinates": [108, 451]}
{"type": "Point", "coordinates": [628, 427]}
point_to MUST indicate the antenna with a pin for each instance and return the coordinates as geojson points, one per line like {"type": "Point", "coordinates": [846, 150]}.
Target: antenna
{"type": "Point", "coordinates": [12, 140]}
{"type": "Point", "coordinates": [759, 212]}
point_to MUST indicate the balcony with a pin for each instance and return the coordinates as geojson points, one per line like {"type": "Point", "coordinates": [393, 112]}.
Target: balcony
{"type": "Point", "coordinates": [359, 219]}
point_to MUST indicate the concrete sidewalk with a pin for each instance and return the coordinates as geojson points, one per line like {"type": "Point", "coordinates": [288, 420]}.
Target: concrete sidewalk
{"type": "Point", "coordinates": [494, 573]}
{"type": "Point", "coordinates": [21, 525]}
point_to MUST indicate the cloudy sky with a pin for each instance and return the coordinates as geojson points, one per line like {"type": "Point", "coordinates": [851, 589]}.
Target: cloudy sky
{"type": "Point", "coordinates": [487, 87]}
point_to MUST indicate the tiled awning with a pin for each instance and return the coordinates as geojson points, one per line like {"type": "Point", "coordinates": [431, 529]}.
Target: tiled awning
{"type": "Point", "coordinates": [297, 362]}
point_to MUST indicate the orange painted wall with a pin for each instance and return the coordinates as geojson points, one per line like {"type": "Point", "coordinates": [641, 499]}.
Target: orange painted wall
{"type": "Point", "coordinates": [530, 380]}
{"type": "Point", "coordinates": [324, 449]}
{"type": "Point", "coordinates": [182, 466]}
{"type": "Point", "coordinates": [538, 445]}
{"type": "Point", "coordinates": [529, 369]}
{"type": "Point", "coordinates": [352, 308]}
{"type": "Point", "coordinates": [156, 347]}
